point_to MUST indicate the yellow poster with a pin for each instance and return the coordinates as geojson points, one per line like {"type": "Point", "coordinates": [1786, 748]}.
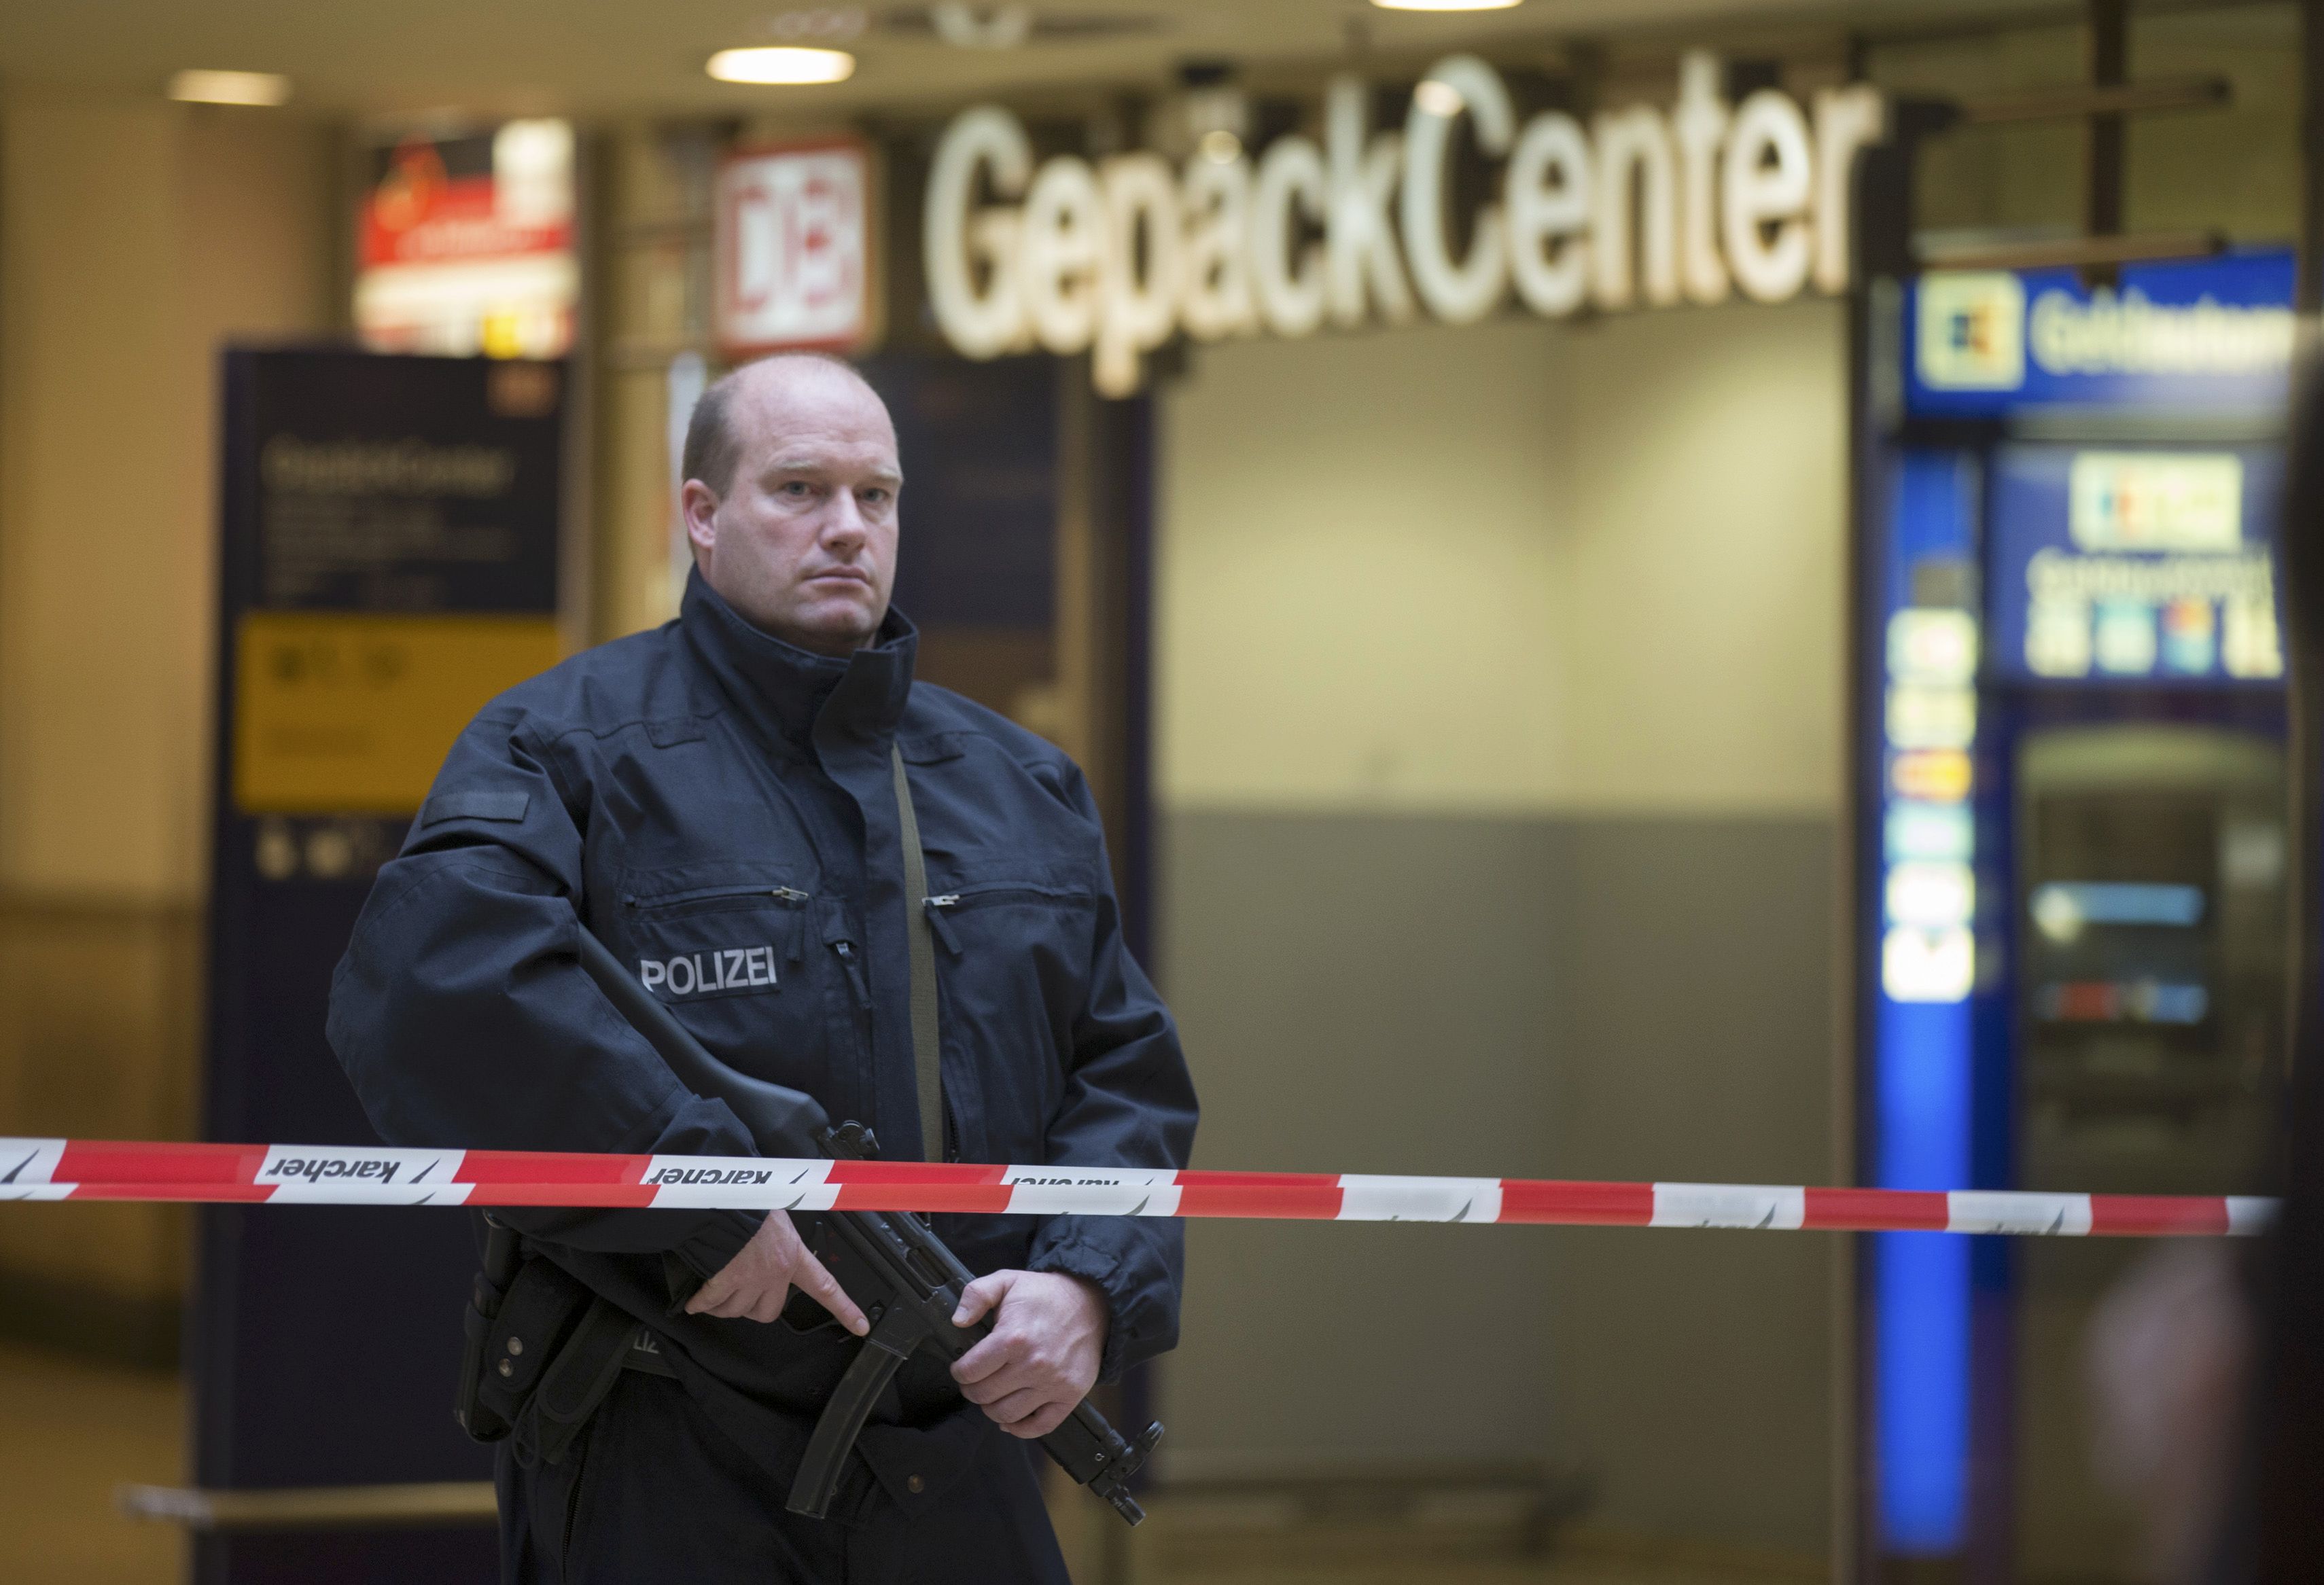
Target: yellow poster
{"type": "Point", "coordinates": [341, 714]}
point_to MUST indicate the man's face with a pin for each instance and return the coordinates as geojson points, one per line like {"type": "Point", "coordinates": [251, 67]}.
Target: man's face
{"type": "Point", "coordinates": [803, 543]}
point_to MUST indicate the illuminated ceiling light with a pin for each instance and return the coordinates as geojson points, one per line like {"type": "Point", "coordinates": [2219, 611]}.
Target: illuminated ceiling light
{"type": "Point", "coordinates": [1440, 99]}
{"type": "Point", "coordinates": [1445, 4]}
{"type": "Point", "coordinates": [230, 88]}
{"type": "Point", "coordinates": [1221, 147]}
{"type": "Point", "coordinates": [781, 63]}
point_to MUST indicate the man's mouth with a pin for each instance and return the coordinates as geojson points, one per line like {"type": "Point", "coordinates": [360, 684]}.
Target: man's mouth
{"type": "Point", "coordinates": [839, 575]}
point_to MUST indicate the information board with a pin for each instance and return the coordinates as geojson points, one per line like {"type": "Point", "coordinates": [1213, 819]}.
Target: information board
{"type": "Point", "coordinates": [389, 551]}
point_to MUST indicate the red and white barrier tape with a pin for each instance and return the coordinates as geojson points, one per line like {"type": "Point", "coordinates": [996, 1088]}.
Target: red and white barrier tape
{"type": "Point", "coordinates": [334, 1175]}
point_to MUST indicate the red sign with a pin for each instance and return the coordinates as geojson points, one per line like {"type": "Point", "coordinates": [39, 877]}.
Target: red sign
{"type": "Point", "coordinates": [420, 215]}
{"type": "Point", "coordinates": [463, 243]}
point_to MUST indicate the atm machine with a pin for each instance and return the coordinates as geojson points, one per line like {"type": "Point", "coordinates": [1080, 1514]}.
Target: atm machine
{"type": "Point", "coordinates": [2071, 861]}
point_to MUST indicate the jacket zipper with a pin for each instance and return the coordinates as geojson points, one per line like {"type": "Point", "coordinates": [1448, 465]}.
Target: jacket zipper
{"type": "Point", "coordinates": [935, 909]}
{"type": "Point", "coordinates": [846, 951]}
{"type": "Point", "coordinates": [854, 965]}
{"type": "Point", "coordinates": [862, 989]}
{"type": "Point", "coordinates": [791, 896]}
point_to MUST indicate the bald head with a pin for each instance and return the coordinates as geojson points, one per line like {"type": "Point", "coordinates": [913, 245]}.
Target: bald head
{"type": "Point", "coordinates": [791, 480]}
{"type": "Point", "coordinates": [711, 447]}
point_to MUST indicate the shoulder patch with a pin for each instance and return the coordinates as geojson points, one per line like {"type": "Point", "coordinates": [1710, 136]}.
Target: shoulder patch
{"type": "Point", "coordinates": [475, 803]}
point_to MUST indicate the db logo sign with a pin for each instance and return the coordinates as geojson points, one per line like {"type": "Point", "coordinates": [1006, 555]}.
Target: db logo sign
{"type": "Point", "coordinates": [794, 248]}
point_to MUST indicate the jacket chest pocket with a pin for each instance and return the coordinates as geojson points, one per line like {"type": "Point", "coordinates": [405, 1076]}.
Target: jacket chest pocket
{"type": "Point", "coordinates": [1012, 973]}
{"type": "Point", "coordinates": [705, 941]}
{"type": "Point", "coordinates": [1006, 914]}
{"type": "Point", "coordinates": [727, 948]}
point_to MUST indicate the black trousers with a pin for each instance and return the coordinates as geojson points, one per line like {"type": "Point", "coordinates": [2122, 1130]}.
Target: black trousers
{"type": "Point", "coordinates": [653, 1493]}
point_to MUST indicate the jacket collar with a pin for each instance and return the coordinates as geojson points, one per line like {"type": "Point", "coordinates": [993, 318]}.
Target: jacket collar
{"type": "Point", "coordinates": [798, 697]}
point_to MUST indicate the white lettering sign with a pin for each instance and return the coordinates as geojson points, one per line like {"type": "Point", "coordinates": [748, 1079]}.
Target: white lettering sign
{"type": "Point", "coordinates": [1640, 207]}
{"type": "Point", "coordinates": [2128, 334]}
{"type": "Point", "coordinates": [695, 973]}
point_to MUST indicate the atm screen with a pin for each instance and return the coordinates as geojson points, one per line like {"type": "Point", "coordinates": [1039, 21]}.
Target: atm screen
{"type": "Point", "coordinates": [2151, 867]}
{"type": "Point", "coordinates": [2136, 565]}
{"type": "Point", "coordinates": [2119, 955]}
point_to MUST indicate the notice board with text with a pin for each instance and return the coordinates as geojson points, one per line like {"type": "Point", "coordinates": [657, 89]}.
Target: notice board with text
{"type": "Point", "coordinates": [388, 543]}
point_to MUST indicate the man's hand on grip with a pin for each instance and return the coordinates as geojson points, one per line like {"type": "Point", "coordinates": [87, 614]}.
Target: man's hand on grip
{"type": "Point", "coordinates": [1041, 1357]}
{"type": "Point", "coordinates": [755, 1284]}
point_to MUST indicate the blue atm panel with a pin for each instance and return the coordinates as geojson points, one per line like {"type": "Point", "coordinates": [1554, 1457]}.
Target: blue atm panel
{"type": "Point", "coordinates": [1926, 970]}
{"type": "Point", "coordinates": [2069, 799]}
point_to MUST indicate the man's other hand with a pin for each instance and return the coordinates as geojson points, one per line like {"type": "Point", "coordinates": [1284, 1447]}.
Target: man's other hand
{"type": "Point", "coordinates": [1041, 1357]}
{"type": "Point", "coordinates": [755, 1284]}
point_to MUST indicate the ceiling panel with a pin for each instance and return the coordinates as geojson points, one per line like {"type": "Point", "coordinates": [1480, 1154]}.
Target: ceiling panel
{"type": "Point", "coordinates": [619, 57]}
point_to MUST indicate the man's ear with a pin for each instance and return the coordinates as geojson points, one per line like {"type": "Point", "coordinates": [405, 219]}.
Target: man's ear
{"type": "Point", "coordinates": [697, 504]}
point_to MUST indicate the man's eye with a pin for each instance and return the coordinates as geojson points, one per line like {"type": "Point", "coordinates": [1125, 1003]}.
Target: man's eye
{"type": "Point", "coordinates": [876, 496]}
{"type": "Point", "coordinates": [798, 489]}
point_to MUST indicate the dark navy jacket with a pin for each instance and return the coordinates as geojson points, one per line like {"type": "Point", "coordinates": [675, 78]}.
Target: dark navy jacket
{"type": "Point", "coordinates": [720, 806]}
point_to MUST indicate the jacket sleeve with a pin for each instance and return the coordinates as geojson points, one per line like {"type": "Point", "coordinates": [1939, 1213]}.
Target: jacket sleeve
{"type": "Point", "coordinates": [464, 1019]}
{"type": "Point", "coordinates": [1129, 1102]}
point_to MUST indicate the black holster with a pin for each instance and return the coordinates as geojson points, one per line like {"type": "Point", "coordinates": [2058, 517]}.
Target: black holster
{"type": "Point", "coordinates": [542, 1351]}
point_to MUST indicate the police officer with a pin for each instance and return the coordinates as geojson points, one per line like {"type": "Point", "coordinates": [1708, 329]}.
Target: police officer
{"type": "Point", "coordinates": [724, 802]}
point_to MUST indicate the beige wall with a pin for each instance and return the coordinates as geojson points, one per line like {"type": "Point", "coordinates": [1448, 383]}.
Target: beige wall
{"type": "Point", "coordinates": [1705, 589]}
{"type": "Point", "coordinates": [135, 237]}
{"type": "Point", "coordinates": [1516, 567]}
{"type": "Point", "coordinates": [1360, 571]}
{"type": "Point", "coordinates": [101, 551]}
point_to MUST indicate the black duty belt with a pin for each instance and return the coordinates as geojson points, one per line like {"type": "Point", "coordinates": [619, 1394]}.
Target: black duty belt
{"type": "Point", "coordinates": [644, 1353]}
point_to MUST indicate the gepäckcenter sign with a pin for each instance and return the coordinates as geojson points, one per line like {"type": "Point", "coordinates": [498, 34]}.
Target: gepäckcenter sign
{"type": "Point", "coordinates": [1641, 206]}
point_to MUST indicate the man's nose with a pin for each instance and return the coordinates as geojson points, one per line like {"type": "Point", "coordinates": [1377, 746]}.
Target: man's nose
{"type": "Point", "coordinates": [844, 525]}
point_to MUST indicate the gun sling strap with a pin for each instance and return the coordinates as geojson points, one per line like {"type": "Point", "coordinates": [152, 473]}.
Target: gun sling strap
{"type": "Point", "coordinates": [927, 1053]}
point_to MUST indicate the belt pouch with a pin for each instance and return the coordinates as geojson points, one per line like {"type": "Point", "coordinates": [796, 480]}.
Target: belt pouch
{"type": "Point", "coordinates": [544, 1305]}
{"type": "Point", "coordinates": [576, 1382]}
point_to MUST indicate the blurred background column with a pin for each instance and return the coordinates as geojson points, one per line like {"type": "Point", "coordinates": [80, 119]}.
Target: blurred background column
{"type": "Point", "coordinates": [140, 235]}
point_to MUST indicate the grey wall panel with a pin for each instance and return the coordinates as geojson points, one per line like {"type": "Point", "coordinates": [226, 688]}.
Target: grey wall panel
{"type": "Point", "coordinates": [1374, 995]}
{"type": "Point", "coordinates": [1692, 1370]}
{"type": "Point", "coordinates": [1536, 997]}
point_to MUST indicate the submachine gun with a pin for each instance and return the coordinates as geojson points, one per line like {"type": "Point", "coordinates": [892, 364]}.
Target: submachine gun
{"type": "Point", "coordinates": [914, 1282]}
